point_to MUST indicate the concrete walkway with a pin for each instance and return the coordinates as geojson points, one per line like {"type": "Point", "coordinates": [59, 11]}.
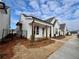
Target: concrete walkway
{"type": "Point", "coordinates": [70, 50]}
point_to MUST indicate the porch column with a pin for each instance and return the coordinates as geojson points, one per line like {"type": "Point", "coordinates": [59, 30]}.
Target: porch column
{"type": "Point", "coordinates": [63, 32]}
{"type": "Point", "coordinates": [46, 32]}
{"type": "Point", "coordinates": [53, 31]}
{"type": "Point", "coordinates": [21, 30]}
{"type": "Point", "coordinates": [33, 35]}
{"type": "Point", "coordinates": [50, 31]}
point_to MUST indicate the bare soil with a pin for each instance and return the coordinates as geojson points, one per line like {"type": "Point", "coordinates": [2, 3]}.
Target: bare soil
{"type": "Point", "coordinates": [6, 48]}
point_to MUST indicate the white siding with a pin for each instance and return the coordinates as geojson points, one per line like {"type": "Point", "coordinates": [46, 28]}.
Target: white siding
{"type": "Point", "coordinates": [4, 23]}
{"type": "Point", "coordinates": [57, 26]}
{"type": "Point", "coordinates": [48, 31]}
{"type": "Point", "coordinates": [52, 31]}
{"type": "Point", "coordinates": [26, 26]}
{"type": "Point", "coordinates": [63, 32]}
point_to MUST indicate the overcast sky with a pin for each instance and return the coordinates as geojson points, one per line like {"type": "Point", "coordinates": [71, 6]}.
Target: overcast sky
{"type": "Point", "coordinates": [66, 11]}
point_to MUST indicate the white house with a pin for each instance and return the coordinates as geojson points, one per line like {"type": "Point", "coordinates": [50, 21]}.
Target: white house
{"type": "Point", "coordinates": [63, 29]}
{"type": "Point", "coordinates": [56, 25]}
{"type": "Point", "coordinates": [35, 28]}
{"type": "Point", "coordinates": [4, 20]}
{"type": "Point", "coordinates": [32, 27]}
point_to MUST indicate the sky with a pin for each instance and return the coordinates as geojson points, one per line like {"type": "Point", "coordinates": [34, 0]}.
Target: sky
{"type": "Point", "coordinates": [66, 11]}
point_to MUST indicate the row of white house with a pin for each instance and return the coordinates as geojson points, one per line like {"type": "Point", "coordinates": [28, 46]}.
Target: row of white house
{"type": "Point", "coordinates": [35, 28]}
{"type": "Point", "coordinates": [29, 26]}
{"type": "Point", "coordinates": [4, 20]}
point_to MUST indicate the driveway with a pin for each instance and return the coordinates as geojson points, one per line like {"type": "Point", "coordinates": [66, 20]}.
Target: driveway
{"type": "Point", "coordinates": [70, 50]}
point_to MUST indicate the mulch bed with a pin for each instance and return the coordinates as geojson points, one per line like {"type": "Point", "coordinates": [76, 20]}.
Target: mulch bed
{"type": "Point", "coordinates": [7, 47]}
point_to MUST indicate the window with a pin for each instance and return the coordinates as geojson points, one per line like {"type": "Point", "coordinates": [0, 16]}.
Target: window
{"type": "Point", "coordinates": [37, 30]}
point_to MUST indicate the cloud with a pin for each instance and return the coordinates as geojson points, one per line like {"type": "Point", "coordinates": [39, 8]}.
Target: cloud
{"type": "Point", "coordinates": [45, 9]}
{"type": "Point", "coordinates": [52, 5]}
{"type": "Point", "coordinates": [43, 1]}
{"type": "Point", "coordinates": [13, 22]}
{"type": "Point", "coordinates": [34, 4]}
{"type": "Point", "coordinates": [20, 4]}
{"type": "Point", "coordinates": [36, 14]}
{"type": "Point", "coordinates": [71, 24]}
{"type": "Point", "coordinates": [76, 13]}
{"type": "Point", "coordinates": [17, 12]}
{"type": "Point", "coordinates": [69, 2]}
{"type": "Point", "coordinates": [65, 10]}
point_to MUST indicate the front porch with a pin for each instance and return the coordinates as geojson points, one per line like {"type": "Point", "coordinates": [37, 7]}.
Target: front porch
{"type": "Point", "coordinates": [40, 31]}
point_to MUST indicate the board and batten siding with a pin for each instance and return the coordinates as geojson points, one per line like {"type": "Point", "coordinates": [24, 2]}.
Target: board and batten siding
{"type": "Point", "coordinates": [56, 27]}
{"type": "Point", "coordinates": [27, 27]}
{"type": "Point", "coordinates": [4, 23]}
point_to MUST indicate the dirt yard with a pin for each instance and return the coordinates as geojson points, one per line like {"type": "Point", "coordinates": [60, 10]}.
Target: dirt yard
{"type": "Point", "coordinates": [22, 49]}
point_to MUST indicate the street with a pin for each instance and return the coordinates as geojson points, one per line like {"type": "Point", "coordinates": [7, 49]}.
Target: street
{"type": "Point", "coordinates": [70, 50]}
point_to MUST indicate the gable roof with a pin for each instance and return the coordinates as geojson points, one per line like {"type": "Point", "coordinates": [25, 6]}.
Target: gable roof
{"type": "Point", "coordinates": [55, 22]}
{"type": "Point", "coordinates": [50, 19]}
{"type": "Point", "coordinates": [35, 18]}
{"type": "Point", "coordinates": [62, 26]}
